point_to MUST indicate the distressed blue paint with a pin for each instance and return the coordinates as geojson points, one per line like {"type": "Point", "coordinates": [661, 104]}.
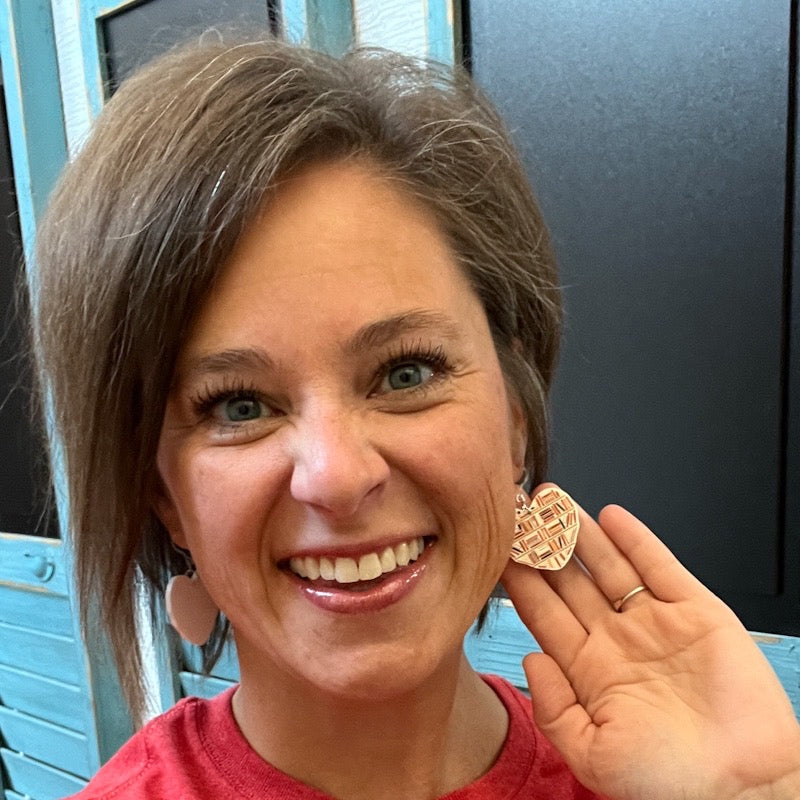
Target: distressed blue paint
{"type": "Point", "coordinates": [92, 45]}
{"type": "Point", "coordinates": [43, 741]}
{"type": "Point", "coordinates": [783, 653]}
{"type": "Point", "coordinates": [182, 663]}
{"type": "Point", "coordinates": [93, 65]}
{"type": "Point", "coordinates": [53, 612]}
{"type": "Point", "coordinates": [441, 33]}
{"type": "Point", "coordinates": [33, 104]}
{"type": "Point", "coordinates": [24, 561]}
{"type": "Point", "coordinates": [227, 667]}
{"type": "Point", "coordinates": [202, 685]}
{"type": "Point", "coordinates": [45, 670]}
{"type": "Point", "coordinates": [165, 644]}
{"type": "Point", "coordinates": [58, 702]}
{"type": "Point", "coordinates": [502, 645]}
{"type": "Point", "coordinates": [294, 20]}
{"type": "Point", "coordinates": [330, 25]}
{"type": "Point", "coordinates": [44, 711]}
{"type": "Point", "coordinates": [110, 724]}
{"type": "Point", "coordinates": [322, 24]}
{"type": "Point", "coordinates": [35, 651]}
{"type": "Point", "coordinates": [9, 795]}
{"type": "Point", "coordinates": [224, 674]}
{"type": "Point", "coordinates": [30, 777]}
{"type": "Point", "coordinates": [505, 641]}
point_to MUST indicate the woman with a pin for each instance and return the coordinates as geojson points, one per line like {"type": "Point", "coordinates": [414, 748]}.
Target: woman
{"type": "Point", "coordinates": [298, 318]}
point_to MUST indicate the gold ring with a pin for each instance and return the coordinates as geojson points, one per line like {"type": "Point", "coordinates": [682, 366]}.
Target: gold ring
{"type": "Point", "coordinates": [621, 602]}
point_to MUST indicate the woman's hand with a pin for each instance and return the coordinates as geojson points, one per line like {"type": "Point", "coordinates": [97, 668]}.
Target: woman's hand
{"type": "Point", "coordinates": [669, 698]}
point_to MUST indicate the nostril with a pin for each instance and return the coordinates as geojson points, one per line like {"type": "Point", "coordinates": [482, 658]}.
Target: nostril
{"type": "Point", "coordinates": [338, 481]}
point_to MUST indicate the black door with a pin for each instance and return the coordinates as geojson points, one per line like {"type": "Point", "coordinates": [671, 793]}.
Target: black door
{"type": "Point", "coordinates": [659, 137]}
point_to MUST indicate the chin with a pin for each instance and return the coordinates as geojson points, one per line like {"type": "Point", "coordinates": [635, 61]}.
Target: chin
{"type": "Point", "coordinates": [381, 674]}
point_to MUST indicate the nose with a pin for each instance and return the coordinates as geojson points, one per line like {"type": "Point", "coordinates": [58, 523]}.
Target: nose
{"type": "Point", "coordinates": [337, 467]}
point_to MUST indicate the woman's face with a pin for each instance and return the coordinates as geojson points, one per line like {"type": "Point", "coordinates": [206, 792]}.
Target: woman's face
{"type": "Point", "coordinates": [338, 406]}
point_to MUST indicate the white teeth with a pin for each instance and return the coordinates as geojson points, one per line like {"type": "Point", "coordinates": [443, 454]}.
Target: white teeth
{"type": "Point", "coordinates": [298, 565]}
{"type": "Point", "coordinates": [403, 554]}
{"type": "Point", "coordinates": [326, 570]}
{"type": "Point", "coordinates": [346, 570]}
{"type": "Point", "coordinates": [388, 561]}
{"type": "Point", "coordinates": [367, 568]}
{"type": "Point", "coordinates": [312, 567]}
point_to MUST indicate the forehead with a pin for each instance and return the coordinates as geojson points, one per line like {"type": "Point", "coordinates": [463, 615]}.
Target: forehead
{"type": "Point", "coordinates": [338, 245]}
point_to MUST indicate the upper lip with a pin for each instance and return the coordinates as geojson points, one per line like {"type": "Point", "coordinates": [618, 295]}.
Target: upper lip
{"type": "Point", "coordinates": [355, 550]}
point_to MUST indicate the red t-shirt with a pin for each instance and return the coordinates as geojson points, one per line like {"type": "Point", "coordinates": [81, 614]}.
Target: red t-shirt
{"type": "Point", "coordinates": [195, 751]}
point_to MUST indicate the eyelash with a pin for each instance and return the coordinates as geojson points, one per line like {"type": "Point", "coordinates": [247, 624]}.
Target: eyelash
{"type": "Point", "coordinates": [210, 396]}
{"type": "Point", "coordinates": [432, 356]}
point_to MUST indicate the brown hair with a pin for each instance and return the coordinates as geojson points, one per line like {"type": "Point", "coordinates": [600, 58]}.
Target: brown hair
{"type": "Point", "coordinates": [143, 220]}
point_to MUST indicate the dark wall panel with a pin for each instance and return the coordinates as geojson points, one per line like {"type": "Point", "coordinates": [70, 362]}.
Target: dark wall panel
{"type": "Point", "coordinates": [655, 135]}
{"type": "Point", "coordinates": [143, 31]}
{"type": "Point", "coordinates": [24, 486]}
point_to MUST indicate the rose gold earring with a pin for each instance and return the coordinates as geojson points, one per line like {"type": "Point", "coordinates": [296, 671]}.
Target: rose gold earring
{"type": "Point", "coordinates": [190, 609]}
{"type": "Point", "coordinates": [546, 528]}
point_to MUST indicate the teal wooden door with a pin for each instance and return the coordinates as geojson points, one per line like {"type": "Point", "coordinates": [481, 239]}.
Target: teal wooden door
{"type": "Point", "coordinates": [54, 732]}
{"type": "Point", "coordinates": [60, 709]}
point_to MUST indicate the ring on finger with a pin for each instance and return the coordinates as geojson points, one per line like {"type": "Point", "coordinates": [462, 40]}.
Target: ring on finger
{"type": "Point", "coordinates": [618, 604]}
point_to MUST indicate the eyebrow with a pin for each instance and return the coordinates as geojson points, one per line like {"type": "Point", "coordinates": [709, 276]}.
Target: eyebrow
{"type": "Point", "coordinates": [371, 336]}
{"type": "Point", "coordinates": [239, 358]}
{"type": "Point", "coordinates": [376, 334]}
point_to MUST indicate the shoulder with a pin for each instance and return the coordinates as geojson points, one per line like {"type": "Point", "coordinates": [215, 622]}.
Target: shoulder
{"type": "Point", "coordinates": [194, 751]}
{"type": "Point", "coordinates": [153, 763]}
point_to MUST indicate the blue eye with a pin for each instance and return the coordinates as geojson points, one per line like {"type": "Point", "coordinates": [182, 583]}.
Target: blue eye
{"type": "Point", "coordinates": [407, 376]}
{"type": "Point", "coordinates": [241, 409]}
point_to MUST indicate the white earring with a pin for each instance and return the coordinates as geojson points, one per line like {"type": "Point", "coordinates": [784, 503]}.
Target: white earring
{"type": "Point", "coordinates": [190, 609]}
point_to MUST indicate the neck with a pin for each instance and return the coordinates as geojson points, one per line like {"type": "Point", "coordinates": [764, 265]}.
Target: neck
{"type": "Point", "coordinates": [419, 745]}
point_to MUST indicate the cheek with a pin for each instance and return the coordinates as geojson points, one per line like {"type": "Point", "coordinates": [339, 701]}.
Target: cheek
{"type": "Point", "coordinates": [219, 496]}
{"type": "Point", "coordinates": [467, 468]}
{"type": "Point", "coordinates": [222, 501]}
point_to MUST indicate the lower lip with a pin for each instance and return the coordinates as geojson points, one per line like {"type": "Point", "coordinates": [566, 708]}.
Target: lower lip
{"type": "Point", "coordinates": [389, 591]}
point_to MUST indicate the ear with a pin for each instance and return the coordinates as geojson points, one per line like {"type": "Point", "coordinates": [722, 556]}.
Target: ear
{"type": "Point", "coordinates": [165, 509]}
{"type": "Point", "coordinates": [519, 434]}
{"type": "Point", "coordinates": [518, 421]}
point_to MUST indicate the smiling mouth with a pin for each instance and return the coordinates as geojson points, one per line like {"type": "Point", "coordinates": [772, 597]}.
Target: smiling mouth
{"type": "Point", "coordinates": [334, 570]}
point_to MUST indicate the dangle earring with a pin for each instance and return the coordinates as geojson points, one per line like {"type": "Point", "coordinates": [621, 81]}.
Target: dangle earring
{"type": "Point", "coordinates": [190, 609]}
{"type": "Point", "coordinates": [546, 527]}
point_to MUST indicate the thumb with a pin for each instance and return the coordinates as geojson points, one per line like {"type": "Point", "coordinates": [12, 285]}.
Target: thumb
{"type": "Point", "coordinates": [556, 710]}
